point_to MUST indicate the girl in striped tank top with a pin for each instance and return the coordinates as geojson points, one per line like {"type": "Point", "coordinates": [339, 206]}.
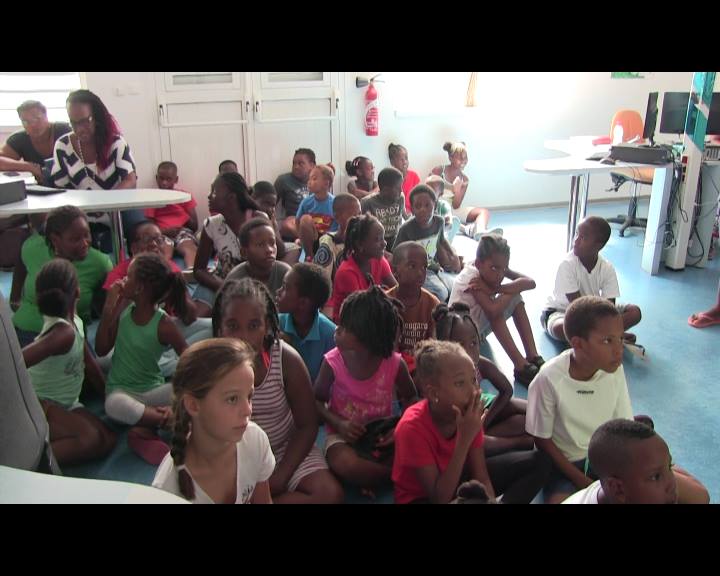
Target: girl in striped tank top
{"type": "Point", "coordinates": [283, 403]}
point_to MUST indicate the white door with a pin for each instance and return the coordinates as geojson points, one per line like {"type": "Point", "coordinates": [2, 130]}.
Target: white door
{"type": "Point", "coordinates": [203, 120]}
{"type": "Point", "coordinates": [294, 110]}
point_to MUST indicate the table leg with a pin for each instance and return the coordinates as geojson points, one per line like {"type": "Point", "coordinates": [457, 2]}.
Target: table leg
{"type": "Point", "coordinates": [572, 211]}
{"type": "Point", "coordinates": [117, 235]}
{"type": "Point", "coordinates": [584, 197]}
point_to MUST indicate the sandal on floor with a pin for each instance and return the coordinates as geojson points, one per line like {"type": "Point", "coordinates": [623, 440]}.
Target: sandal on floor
{"type": "Point", "coordinates": [536, 361]}
{"type": "Point", "coordinates": [702, 320]}
{"type": "Point", "coordinates": [526, 374]}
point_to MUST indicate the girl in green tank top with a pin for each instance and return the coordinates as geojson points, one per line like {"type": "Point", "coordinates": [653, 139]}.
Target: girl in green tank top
{"type": "Point", "coordinates": [139, 330]}
{"type": "Point", "coordinates": [58, 361]}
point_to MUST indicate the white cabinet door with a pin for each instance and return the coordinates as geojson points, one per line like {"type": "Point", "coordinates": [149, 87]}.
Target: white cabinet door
{"type": "Point", "coordinates": [294, 110]}
{"type": "Point", "coordinates": [203, 121]}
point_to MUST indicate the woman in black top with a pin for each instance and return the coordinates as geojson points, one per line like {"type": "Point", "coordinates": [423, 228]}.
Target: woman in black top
{"type": "Point", "coordinates": [26, 150]}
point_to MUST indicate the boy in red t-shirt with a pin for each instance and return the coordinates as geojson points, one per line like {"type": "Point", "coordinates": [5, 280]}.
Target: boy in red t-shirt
{"type": "Point", "coordinates": [178, 222]}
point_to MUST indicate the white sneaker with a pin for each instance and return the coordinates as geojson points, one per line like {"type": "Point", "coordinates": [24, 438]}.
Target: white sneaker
{"type": "Point", "coordinates": [479, 233]}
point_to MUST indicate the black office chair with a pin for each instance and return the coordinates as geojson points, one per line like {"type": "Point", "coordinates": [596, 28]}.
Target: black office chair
{"type": "Point", "coordinates": [632, 127]}
{"type": "Point", "coordinates": [637, 177]}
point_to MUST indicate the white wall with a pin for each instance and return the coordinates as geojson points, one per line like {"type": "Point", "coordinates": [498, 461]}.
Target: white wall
{"type": "Point", "coordinates": [515, 113]}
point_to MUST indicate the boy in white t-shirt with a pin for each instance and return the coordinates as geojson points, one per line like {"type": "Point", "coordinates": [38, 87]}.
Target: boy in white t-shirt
{"type": "Point", "coordinates": [635, 467]}
{"type": "Point", "coordinates": [577, 391]}
{"type": "Point", "coordinates": [584, 272]}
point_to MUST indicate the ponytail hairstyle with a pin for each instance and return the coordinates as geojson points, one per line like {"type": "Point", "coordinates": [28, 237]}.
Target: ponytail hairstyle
{"type": "Point", "coordinates": [446, 317]}
{"type": "Point", "coordinates": [60, 219]}
{"type": "Point", "coordinates": [374, 318]}
{"type": "Point", "coordinates": [453, 148]}
{"type": "Point", "coordinates": [106, 127]}
{"type": "Point", "coordinates": [351, 167]}
{"type": "Point", "coordinates": [358, 228]}
{"type": "Point", "coordinates": [394, 150]}
{"type": "Point", "coordinates": [199, 368]}
{"type": "Point", "coordinates": [248, 289]}
{"type": "Point", "coordinates": [56, 287]}
{"type": "Point", "coordinates": [237, 185]}
{"type": "Point", "coordinates": [154, 272]}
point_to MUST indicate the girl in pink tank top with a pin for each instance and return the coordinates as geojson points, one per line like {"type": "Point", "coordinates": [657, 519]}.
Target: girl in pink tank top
{"type": "Point", "coordinates": [356, 384]}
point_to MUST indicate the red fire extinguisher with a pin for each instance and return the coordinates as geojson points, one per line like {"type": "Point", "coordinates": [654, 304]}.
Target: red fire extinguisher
{"type": "Point", "coordinates": [372, 118]}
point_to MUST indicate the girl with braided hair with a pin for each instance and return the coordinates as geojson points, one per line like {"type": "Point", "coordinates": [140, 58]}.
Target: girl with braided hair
{"type": "Point", "coordinates": [218, 454]}
{"type": "Point", "coordinates": [140, 332]}
{"type": "Point", "coordinates": [283, 400]}
{"type": "Point", "coordinates": [362, 261]}
{"type": "Point", "coordinates": [362, 174]}
{"type": "Point", "coordinates": [355, 388]}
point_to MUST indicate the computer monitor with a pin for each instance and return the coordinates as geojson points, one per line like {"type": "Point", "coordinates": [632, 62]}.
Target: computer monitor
{"type": "Point", "coordinates": [651, 117]}
{"type": "Point", "coordinates": [674, 112]}
{"type": "Point", "coordinates": [713, 127]}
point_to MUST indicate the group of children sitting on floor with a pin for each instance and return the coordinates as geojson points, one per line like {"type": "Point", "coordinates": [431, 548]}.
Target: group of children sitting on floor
{"type": "Point", "coordinates": [257, 364]}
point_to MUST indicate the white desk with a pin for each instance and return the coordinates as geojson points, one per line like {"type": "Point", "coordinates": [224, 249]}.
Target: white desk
{"type": "Point", "coordinates": [23, 487]}
{"type": "Point", "coordinates": [576, 166]}
{"type": "Point", "coordinates": [97, 200]}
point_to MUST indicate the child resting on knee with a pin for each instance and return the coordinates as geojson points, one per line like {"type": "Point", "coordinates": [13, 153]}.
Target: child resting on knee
{"type": "Point", "coordinates": [492, 302]}
{"type": "Point", "coordinates": [505, 421]}
{"type": "Point", "coordinates": [584, 272]}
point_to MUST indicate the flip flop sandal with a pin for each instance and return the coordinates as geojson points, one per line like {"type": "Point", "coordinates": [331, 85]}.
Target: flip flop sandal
{"type": "Point", "coordinates": [636, 350]}
{"type": "Point", "coordinates": [526, 374]}
{"type": "Point", "coordinates": [537, 361]}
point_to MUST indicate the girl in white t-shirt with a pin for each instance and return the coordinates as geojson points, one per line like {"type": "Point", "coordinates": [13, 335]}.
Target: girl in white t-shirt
{"type": "Point", "coordinates": [218, 455]}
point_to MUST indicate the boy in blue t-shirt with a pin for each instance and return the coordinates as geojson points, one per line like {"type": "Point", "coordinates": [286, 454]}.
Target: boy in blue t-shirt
{"type": "Point", "coordinates": [305, 290]}
{"type": "Point", "coordinates": [315, 213]}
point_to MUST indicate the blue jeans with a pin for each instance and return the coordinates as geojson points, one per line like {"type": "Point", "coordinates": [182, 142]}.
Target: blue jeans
{"type": "Point", "coordinates": [439, 283]}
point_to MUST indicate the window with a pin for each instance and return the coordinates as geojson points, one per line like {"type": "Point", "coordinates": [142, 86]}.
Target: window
{"type": "Point", "coordinates": [50, 88]}
{"type": "Point", "coordinates": [426, 93]}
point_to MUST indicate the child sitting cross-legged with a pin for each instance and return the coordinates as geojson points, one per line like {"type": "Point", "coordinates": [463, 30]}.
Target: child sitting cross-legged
{"type": "Point", "coordinates": [492, 302]}
{"type": "Point", "coordinates": [584, 272]}
{"type": "Point", "coordinates": [283, 402]}
{"type": "Point", "coordinates": [634, 466]}
{"type": "Point", "coordinates": [439, 442]}
{"type": "Point", "coordinates": [304, 291]}
{"type": "Point", "coordinates": [578, 391]}
{"type": "Point", "coordinates": [355, 389]}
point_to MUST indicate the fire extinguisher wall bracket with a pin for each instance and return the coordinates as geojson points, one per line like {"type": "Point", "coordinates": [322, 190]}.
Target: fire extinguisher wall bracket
{"type": "Point", "coordinates": [361, 82]}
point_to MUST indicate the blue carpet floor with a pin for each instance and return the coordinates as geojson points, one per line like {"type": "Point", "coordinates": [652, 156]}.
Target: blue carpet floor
{"type": "Point", "coordinates": [677, 384]}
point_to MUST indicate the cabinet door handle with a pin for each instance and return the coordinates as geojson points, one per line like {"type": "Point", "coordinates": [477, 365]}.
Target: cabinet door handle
{"type": "Point", "coordinates": [257, 106]}
{"type": "Point", "coordinates": [247, 106]}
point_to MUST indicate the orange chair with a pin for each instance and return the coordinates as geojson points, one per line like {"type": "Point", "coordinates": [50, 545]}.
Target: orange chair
{"type": "Point", "coordinates": [632, 129]}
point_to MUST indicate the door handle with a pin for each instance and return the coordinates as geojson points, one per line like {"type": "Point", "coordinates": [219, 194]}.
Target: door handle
{"type": "Point", "coordinates": [247, 106]}
{"type": "Point", "coordinates": [257, 106]}
{"type": "Point", "coordinates": [337, 103]}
